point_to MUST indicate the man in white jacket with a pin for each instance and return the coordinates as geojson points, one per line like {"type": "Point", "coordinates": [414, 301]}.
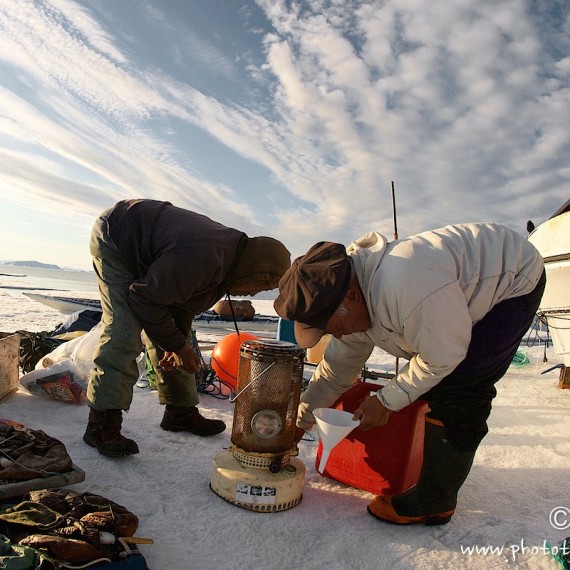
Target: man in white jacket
{"type": "Point", "coordinates": [455, 302]}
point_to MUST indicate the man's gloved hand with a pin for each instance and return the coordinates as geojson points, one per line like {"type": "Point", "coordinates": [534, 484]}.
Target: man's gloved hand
{"type": "Point", "coordinates": [372, 414]}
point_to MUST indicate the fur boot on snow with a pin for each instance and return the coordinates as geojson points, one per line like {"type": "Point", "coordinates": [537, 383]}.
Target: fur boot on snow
{"type": "Point", "coordinates": [179, 418]}
{"type": "Point", "coordinates": [104, 433]}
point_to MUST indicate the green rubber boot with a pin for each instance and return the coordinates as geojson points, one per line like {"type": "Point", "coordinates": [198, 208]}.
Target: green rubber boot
{"type": "Point", "coordinates": [433, 499]}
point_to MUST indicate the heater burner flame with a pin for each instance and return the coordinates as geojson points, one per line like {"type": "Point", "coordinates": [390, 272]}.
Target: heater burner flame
{"type": "Point", "coordinates": [266, 424]}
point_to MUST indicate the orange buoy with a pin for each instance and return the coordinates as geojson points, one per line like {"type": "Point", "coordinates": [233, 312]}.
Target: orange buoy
{"type": "Point", "coordinates": [225, 356]}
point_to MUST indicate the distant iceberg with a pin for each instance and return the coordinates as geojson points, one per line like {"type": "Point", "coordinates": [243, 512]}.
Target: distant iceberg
{"type": "Point", "coordinates": [36, 264]}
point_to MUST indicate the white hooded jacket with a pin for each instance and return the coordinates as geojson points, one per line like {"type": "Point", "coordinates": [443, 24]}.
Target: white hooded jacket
{"type": "Point", "coordinates": [424, 294]}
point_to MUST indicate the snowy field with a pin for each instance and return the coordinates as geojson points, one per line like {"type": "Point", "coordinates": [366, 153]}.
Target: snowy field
{"type": "Point", "coordinates": [514, 501]}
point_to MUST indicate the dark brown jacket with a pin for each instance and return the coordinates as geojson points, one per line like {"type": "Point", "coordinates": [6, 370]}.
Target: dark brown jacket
{"type": "Point", "coordinates": [182, 263]}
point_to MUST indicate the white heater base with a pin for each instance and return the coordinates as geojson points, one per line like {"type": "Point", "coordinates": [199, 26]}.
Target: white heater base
{"type": "Point", "coordinates": [257, 489]}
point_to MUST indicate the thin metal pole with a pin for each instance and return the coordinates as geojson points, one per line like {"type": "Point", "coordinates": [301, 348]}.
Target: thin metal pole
{"type": "Point", "coordinates": [395, 237]}
{"type": "Point", "coordinates": [394, 211]}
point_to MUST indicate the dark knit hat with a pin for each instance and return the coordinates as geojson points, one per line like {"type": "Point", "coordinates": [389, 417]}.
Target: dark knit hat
{"type": "Point", "coordinates": [313, 287]}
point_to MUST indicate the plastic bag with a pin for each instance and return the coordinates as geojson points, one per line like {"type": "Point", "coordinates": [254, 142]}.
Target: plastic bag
{"type": "Point", "coordinates": [79, 350]}
{"type": "Point", "coordinates": [520, 359]}
{"type": "Point", "coordinates": [61, 381]}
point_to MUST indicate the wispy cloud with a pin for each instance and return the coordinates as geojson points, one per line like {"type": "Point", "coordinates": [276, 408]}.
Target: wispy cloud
{"type": "Point", "coordinates": [453, 100]}
{"type": "Point", "coordinates": [464, 105]}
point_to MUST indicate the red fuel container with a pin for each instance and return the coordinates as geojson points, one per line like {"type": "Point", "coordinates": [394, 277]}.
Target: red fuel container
{"type": "Point", "coordinates": [383, 461]}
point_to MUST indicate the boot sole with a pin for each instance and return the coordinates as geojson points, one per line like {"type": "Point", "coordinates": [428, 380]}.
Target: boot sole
{"type": "Point", "coordinates": [108, 453]}
{"type": "Point", "coordinates": [433, 520]}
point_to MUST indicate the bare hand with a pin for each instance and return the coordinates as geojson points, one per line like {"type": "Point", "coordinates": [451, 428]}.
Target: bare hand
{"type": "Point", "coordinates": [184, 358]}
{"type": "Point", "coordinates": [169, 361]}
{"type": "Point", "coordinates": [372, 414]}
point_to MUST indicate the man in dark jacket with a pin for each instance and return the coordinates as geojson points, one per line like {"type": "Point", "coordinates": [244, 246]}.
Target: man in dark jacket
{"type": "Point", "coordinates": [157, 267]}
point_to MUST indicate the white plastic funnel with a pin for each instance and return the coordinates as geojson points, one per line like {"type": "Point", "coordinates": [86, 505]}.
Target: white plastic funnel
{"type": "Point", "coordinates": [334, 426]}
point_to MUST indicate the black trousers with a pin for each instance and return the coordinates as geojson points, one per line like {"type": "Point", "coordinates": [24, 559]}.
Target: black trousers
{"type": "Point", "coordinates": [462, 400]}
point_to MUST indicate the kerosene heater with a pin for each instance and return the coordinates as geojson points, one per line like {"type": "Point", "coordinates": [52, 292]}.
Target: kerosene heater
{"type": "Point", "coordinates": [259, 471]}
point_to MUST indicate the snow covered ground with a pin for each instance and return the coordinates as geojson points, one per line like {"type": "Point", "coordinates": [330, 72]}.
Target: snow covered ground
{"type": "Point", "coordinates": [515, 500]}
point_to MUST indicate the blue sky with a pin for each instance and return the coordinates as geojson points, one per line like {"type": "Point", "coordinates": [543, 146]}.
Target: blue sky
{"type": "Point", "coordinates": [280, 118]}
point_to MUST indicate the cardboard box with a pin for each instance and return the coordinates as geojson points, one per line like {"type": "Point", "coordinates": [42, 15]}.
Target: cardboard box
{"type": "Point", "coordinates": [9, 369]}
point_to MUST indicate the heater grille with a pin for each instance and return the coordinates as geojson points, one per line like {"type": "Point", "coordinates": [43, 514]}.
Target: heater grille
{"type": "Point", "coordinates": [258, 460]}
{"type": "Point", "coordinates": [270, 376]}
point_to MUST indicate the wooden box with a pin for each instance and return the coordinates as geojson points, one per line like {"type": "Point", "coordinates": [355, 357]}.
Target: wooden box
{"type": "Point", "coordinates": [9, 370]}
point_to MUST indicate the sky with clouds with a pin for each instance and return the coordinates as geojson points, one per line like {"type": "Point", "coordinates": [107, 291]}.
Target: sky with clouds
{"type": "Point", "coordinates": [282, 118]}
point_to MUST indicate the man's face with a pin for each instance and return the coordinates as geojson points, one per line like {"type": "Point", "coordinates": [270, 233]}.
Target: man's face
{"type": "Point", "coordinates": [350, 317]}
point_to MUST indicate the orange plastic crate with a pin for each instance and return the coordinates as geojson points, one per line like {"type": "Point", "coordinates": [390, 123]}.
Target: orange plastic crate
{"type": "Point", "coordinates": [383, 461]}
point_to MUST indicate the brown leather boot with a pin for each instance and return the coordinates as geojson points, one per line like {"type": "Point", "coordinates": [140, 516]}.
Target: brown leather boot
{"type": "Point", "coordinates": [178, 418]}
{"type": "Point", "coordinates": [104, 432]}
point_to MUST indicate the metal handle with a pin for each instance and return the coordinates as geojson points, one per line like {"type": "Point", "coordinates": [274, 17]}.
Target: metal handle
{"type": "Point", "coordinates": [234, 398]}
